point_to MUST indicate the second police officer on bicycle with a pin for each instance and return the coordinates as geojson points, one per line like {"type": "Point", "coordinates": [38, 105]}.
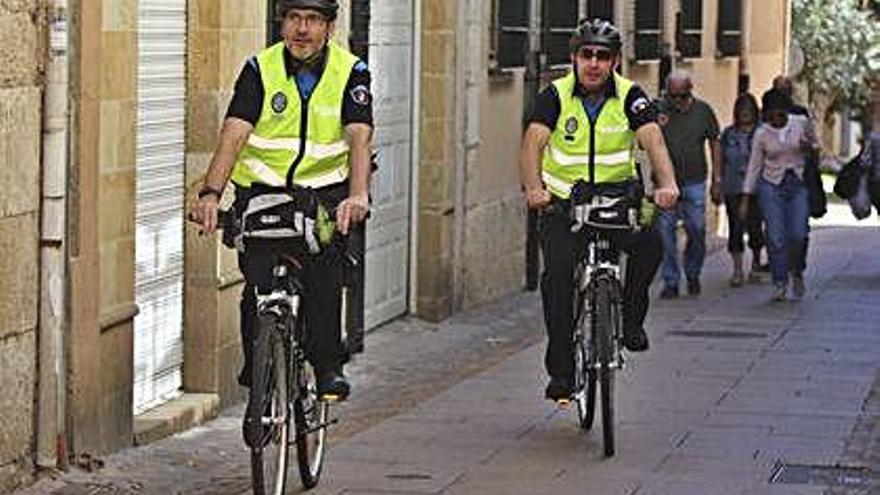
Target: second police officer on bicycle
{"type": "Point", "coordinates": [591, 118]}
{"type": "Point", "coordinates": [301, 114]}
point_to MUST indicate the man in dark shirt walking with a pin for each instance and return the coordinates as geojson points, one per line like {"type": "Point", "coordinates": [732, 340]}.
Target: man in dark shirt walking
{"type": "Point", "coordinates": [688, 123]}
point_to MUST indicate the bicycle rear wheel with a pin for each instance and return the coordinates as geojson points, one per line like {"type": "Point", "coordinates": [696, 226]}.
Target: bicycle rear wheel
{"type": "Point", "coordinates": [268, 431]}
{"type": "Point", "coordinates": [604, 330]}
{"type": "Point", "coordinates": [310, 419]}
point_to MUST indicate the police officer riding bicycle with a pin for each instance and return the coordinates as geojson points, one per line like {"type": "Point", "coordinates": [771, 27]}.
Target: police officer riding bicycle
{"type": "Point", "coordinates": [585, 127]}
{"type": "Point", "coordinates": [301, 115]}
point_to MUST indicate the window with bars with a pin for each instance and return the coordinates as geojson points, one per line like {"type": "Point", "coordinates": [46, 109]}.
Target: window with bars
{"type": "Point", "coordinates": [510, 33]}
{"type": "Point", "coordinates": [648, 29]}
{"type": "Point", "coordinates": [729, 28]}
{"type": "Point", "coordinates": [603, 9]}
{"type": "Point", "coordinates": [689, 28]}
{"type": "Point", "coordinates": [560, 20]}
{"type": "Point", "coordinates": [273, 26]}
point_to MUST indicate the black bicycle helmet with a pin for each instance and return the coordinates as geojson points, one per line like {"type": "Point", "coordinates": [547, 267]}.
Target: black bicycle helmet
{"type": "Point", "coordinates": [328, 8]}
{"type": "Point", "coordinates": [595, 32]}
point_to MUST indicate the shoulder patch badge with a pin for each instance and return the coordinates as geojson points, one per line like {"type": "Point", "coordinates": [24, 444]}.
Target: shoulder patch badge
{"type": "Point", "coordinates": [279, 102]}
{"type": "Point", "coordinates": [571, 125]}
{"type": "Point", "coordinates": [360, 94]}
{"type": "Point", "coordinates": [639, 105]}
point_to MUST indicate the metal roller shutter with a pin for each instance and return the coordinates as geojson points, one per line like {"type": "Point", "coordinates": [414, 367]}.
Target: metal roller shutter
{"type": "Point", "coordinates": [158, 343]}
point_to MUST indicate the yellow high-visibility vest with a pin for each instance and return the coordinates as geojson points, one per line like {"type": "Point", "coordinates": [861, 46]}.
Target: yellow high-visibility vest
{"type": "Point", "coordinates": [609, 142]}
{"type": "Point", "coordinates": [276, 140]}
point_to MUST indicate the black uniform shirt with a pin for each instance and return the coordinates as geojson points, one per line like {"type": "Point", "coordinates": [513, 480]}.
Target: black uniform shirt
{"type": "Point", "coordinates": [247, 101]}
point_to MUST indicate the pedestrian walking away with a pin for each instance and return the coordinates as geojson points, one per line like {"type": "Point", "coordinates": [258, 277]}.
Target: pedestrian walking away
{"type": "Point", "coordinates": [584, 127]}
{"type": "Point", "coordinates": [775, 173]}
{"type": "Point", "coordinates": [736, 146]}
{"type": "Point", "coordinates": [688, 124]}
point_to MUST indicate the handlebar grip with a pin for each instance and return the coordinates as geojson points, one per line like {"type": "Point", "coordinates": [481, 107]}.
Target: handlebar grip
{"type": "Point", "coordinates": [226, 219]}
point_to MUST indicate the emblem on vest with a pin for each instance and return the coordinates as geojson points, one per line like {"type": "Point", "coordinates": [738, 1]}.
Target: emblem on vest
{"type": "Point", "coordinates": [571, 125]}
{"type": "Point", "coordinates": [279, 102]}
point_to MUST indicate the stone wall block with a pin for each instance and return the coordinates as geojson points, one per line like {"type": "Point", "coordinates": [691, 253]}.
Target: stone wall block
{"type": "Point", "coordinates": [119, 15]}
{"type": "Point", "coordinates": [19, 276]}
{"type": "Point", "coordinates": [17, 370]}
{"type": "Point", "coordinates": [20, 48]}
{"type": "Point", "coordinates": [439, 15]}
{"type": "Point", "coordinates": [204, 14]}
{"type": "Point", "coordinates": [203, 110]}
{"type": "Point", "coordinates": [203, 71]}
{"type": "Point", "coordinates": [118, 72]}
{"type": "Point", "coordinates": [20, 134]}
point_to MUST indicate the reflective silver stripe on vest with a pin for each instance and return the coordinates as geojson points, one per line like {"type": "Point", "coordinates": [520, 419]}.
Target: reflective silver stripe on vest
{"type": "Point", "coordinates": [332, 177]}
{"type": "Point", "coordinates": [556, 184]}
{"type": "Point", "coordinates": [323, 151]}
{"type": "Point", "coordinates": [262, 171]}
{"type": "Point", "coordinates": [268, 176]}
{"type": "Point", "coordinates": [287, 144]}
{"type": "Point", "coordinates": [314, 150]}
{"type": "Point", "coordinates": [565, 159]}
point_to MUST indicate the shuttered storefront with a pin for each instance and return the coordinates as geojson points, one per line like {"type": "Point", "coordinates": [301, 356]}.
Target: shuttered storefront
{"type": "Point", "coordinates": [158, 344]}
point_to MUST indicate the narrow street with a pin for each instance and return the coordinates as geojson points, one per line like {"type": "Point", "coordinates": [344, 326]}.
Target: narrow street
{"type": "Point", "coordinates": [737, 395]}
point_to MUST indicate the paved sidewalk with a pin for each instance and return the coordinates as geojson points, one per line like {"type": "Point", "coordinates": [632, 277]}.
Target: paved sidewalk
{"type": "Point", "coordinates": [732, 387]}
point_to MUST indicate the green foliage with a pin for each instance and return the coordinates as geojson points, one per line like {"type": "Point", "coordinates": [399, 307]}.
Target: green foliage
{"type": "Point", "coordinates": [841, 45]}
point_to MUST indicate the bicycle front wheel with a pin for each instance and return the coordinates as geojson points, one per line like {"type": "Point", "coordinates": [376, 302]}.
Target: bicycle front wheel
{"type": "Point", "coordinates": [310, 419]}
{"type": "Point", "coordinates": [604, 330]}
{"type": "Point", "coordinates": [585, 384]}
{"type": "Point", "coordinates": [268, 412]}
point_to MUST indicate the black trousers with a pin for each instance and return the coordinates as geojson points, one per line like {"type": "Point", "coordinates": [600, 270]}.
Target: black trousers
{"type": "Point", "coordinates": [322, 279]}
{"type": "Point", "coordinates": [561, 250]}
{"type": "Point", "coordinates": [753, 225]}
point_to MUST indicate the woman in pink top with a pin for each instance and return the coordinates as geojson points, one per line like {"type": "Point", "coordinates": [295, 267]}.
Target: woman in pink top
{"type": "Point", "coordinates": [776, 172]}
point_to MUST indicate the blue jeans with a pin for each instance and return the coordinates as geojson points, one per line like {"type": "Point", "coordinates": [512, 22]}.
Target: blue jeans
{"type": "Point", "coordinates": [692, 209]}
{"type": "Point", "coordinates": [786, 210]}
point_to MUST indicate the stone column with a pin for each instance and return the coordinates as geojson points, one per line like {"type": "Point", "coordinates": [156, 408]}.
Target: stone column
{"type": "Point", "coordinates": [222, 34]}
{"type": "Point", "coordinates": [436, 212]}
{"type": "Point", "coordinates": [102, 203]}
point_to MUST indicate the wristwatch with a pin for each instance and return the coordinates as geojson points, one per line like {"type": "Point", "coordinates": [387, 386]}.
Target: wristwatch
{"type": "Point", "coordinates": [208, 190]}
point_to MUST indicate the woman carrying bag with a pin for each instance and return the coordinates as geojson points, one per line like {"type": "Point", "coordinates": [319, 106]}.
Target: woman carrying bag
{"type": "Point", "coordinates": [776, 173]}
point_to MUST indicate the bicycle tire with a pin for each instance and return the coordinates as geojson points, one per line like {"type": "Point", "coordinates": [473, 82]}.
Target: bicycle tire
{"type": "Point", "coordinates": [604, 330]}
{"type": "Point", "coordinates": [310, 422]}
{"type": "Point", "coordinates": [269, 408]}
{"type": "Point", "coordinates": [585, 386]}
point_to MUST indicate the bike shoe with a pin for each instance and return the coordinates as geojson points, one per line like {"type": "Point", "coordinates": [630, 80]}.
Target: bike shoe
{"type": "Point", "coordinates": [332, 387]}
{"type": "Point", "coordinates": [635, 340]}
{"type": "Point", "coordinates": [559, 389]}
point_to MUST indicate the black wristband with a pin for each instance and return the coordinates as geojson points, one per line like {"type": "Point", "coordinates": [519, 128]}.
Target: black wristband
{"type": "Point", "coordinates": [208, 190]}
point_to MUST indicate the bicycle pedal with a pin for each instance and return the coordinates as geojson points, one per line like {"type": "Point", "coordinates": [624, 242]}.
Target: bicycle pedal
{"type": "Point", "coordinates": [330, 398]}
{"type": "Point", "coordinates": [563, 402]}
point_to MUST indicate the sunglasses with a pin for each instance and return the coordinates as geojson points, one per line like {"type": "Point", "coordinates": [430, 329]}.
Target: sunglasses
{"type": "Point", "coordinates": [680, 96]}
{"type": "Point", "coordinates": [598, 54]}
